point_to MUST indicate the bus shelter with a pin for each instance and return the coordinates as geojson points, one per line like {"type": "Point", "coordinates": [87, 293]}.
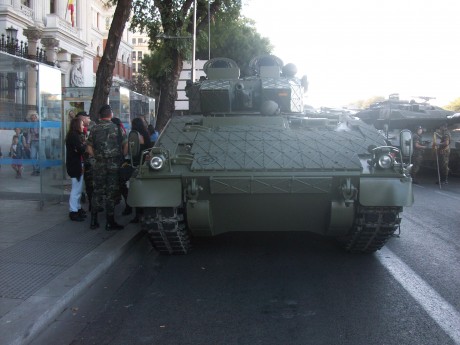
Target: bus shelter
{"type": "Point", "coordinates": [126, 104]}
{"type": "Point", "coordinates": [31, 131]}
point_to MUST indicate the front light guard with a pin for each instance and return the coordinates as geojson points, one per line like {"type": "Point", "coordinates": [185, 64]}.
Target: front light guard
{"type": "Point", "coordinates": [157, 162]}
{"type": "Point", "coordinates": [386, 157]}
{"type": "Point", "coordinates": [157, 159]}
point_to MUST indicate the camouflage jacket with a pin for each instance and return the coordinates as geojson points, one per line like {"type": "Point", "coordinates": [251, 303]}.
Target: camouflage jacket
{"type": "Point", "coordinates": [106, 140]}
{"type": "Point", "coordinates": [444, 145]}
{"type": "Point", "coordinates": [417, 139]}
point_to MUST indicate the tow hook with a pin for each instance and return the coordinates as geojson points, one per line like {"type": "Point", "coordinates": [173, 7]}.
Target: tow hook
{"type": "Point", "coordinates": [349, 192]}
{"type": "Point", "coordinates": [193, 190]}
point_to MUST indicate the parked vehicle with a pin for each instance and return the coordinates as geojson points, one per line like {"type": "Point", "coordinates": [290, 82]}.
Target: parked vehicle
{"type": "Point", "coordinates": [247, 159]}
{"type": "Point", "coordinates": [393, 115]}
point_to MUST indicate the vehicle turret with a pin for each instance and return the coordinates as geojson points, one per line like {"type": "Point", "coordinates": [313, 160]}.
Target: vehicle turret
{"type": "Point", "coordinates": [223, 91]}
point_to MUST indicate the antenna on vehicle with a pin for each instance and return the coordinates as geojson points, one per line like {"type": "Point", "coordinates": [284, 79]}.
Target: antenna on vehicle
{"type": "Point", "coordinates": [425, 98]}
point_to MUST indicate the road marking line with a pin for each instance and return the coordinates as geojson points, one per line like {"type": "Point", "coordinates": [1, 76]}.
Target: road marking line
{"type": "Point", "coordinates": [448, 195]}
{"type": "Point", "coordinates": [441, 311]}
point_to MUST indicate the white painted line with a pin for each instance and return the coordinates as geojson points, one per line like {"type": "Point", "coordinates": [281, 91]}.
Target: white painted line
{"type": "Point", "coordinates": [443, 313]}
{"type": "Point", "coordinates": [448, 195]}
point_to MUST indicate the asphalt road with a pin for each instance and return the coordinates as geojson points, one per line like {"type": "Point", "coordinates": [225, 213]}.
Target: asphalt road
{"type": "Point", "coordinates": [284, 288]}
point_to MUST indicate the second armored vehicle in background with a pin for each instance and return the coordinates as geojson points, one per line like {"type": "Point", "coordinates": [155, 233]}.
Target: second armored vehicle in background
{"type": "Point", "coordinates": [393, 115]}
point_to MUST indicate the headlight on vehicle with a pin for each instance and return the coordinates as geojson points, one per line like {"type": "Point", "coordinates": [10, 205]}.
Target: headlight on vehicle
{"type": "Point", "coordinates": [157, 162]}
{"type": "Point", "coordinates": [385, 161]}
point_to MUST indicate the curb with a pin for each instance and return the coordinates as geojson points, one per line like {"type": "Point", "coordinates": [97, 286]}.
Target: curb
{"type": "Point", "coordinates": [22, 324]}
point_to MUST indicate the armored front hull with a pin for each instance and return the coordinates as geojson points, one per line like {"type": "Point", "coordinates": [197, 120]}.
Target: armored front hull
{"type": "Point", "coordinates": [247, 159]}
{"type": "Point", "coordinates": [258, 173]}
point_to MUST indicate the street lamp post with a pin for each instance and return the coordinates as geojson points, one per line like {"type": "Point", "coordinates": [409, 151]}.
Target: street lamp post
{"type": "Point", "coordinates": [12, 41]}
{"type": "Point", "coordinates": [193, 37]}
{"type": "Point", "coordinates": [209, 29]}
{"type": "Point", "coordinates": [194, 41]}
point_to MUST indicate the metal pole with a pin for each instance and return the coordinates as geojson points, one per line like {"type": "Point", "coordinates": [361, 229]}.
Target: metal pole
{"type": "Point", "coordinates": [437, 158]}
{"type": "Point", "coordinates": [437, 164]}
{"type": "Point", "coordinates": [194, 41]}
{"type": "Point", "coordinates": [209, 30]}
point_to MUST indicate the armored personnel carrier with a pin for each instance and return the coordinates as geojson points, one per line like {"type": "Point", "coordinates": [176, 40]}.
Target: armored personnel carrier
{"type": "Point", "coordinates": [247, 159]}
{"type": "Point", "coordinates": [393, 115]}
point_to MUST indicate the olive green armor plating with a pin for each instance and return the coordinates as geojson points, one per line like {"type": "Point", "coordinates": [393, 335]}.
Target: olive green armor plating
{"type": "Point", "coordinates": [246, 159]}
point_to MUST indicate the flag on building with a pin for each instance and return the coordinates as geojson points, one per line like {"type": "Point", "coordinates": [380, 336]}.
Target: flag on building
{"type": "Point", "coordinates": [71, 9]}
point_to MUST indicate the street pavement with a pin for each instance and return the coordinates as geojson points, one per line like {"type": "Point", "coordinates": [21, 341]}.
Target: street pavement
{"type": "Point", "coordinates": [47, 260]}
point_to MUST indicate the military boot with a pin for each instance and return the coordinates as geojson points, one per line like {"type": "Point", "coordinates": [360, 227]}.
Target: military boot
{"type": "Point", "coordinates": [443, 181]}
{"type": "Point", "coordinates": [112, 225]}
{"type": "Point", "coordinates": [94, 223]}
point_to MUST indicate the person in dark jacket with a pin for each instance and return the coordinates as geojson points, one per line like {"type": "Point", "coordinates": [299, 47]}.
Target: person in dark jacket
{"type": "Point", "coordinates": [138, 125]}
{"type": "Point", "coordinates": [87, 162]}
{"type": "Point", "coordinates": [123, 186]}
{"type": "Point", "coordinates": [145, 141]}
{"type": "Point", "coordinates": [75, 148]}
{"type": "Point", "coordinates": [417, 155]}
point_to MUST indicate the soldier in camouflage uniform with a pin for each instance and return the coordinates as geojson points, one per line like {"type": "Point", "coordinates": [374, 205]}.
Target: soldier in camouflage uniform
{"type": "Point", "coordinates": [106, 144]}
{"type": "Point", "coordinates": [444, 152]}
{"type": "Point", "coordinates": [417, 156]}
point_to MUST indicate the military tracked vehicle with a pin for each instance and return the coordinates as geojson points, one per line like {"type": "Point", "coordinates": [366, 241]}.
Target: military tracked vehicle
{"type": "Point", "coordinates": [393, 115]}
{"type": "Point", "coordinates": [247, 159]}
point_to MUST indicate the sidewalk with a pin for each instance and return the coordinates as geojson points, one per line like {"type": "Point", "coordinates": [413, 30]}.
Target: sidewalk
{"type": "Point", "coordinates": [46, 261]}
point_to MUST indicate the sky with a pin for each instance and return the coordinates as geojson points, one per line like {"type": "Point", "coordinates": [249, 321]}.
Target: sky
{"type": "Point", "coordinates": [356, 49]}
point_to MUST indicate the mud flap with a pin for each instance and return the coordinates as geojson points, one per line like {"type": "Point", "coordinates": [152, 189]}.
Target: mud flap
{"type": "Point", "coordinates": [341, 220]}
{"type": "Point", "coordinates": [386, 192]}
{"type": "Point", "coordinates": [199, 218]}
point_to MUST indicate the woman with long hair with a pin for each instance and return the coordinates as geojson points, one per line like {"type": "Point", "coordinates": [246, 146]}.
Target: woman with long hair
{"type": "Point", "coordinates": [138, 125]}
{"type": "Point", "coordinates": [75, 147]}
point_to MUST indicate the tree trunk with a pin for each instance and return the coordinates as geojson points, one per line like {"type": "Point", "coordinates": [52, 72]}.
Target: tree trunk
{"type": "Point", "coordinates": [168, 91]}
{"type": "Point", "coordinates": [104, 74]}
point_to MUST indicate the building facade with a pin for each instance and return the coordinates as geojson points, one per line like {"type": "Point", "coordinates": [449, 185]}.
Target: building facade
{"type": "Point", "coordinates": [140, 42]}
{"type": "Point", "coordinates": [72, 34]}
{"type": "Point", "coordinates": [46, 48]}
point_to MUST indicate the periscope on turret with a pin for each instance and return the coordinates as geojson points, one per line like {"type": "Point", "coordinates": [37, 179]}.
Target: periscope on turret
{"type": "Point", "coordinates": [246, 158]}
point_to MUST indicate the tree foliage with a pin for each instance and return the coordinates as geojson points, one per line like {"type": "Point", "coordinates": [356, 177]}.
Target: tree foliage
{"type": "Point", "coordinates": [454, 105]}
{"type": "Point", "coordinates": [235, 39]}
{"type": "Point", "coordinates": [365, 103]}
{"type": "Point", "coordinates": [169, 25]}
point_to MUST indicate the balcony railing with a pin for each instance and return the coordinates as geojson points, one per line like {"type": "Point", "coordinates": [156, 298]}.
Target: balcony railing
{"type": "Point", "coordinates": [14, 47]}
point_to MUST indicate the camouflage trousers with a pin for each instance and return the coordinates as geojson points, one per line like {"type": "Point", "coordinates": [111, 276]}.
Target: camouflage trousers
{"type": "Point", "coordinates": [417, 159]}
{"type": "Point", "coordinates": [88, 178]}
{"type": "Point", "coordinates": [106, 182]}
{"type": "Point", "coordinates": [444, 163]}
